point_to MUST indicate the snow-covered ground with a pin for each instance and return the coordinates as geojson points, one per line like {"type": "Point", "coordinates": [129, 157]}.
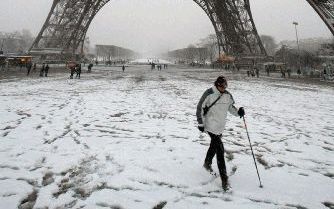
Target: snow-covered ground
{"type": "Point", "coordinates": [129, 140]}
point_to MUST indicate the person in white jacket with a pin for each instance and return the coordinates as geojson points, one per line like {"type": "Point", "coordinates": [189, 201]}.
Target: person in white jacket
{"type": "Point", "coordinates": [211, 117]}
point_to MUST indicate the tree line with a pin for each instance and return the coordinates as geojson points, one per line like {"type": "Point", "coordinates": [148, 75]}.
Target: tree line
{"type": "Point", "coordinates": [17, 42]}
{"type": "Point", "coordinates": [206, 51]}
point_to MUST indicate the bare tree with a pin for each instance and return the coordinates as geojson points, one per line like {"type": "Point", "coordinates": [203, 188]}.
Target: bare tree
{"type": "Point", "coordinates": [16, 42]}
{"type": "Point", "coordinates": [269, 44]}
{"type": "Point", "coordinates": [202, 54]}
{"type": "Point", "coordinates": [326, 49]}
{"type": "Point", "coordinates": [210, 42]}
{"type": "Point", "coordinates": [191, 53]}
{"type": "Point", "coordinates": [292, 56]}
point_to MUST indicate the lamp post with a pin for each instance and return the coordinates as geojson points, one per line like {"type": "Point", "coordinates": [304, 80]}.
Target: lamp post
{"type": "Point", "coordinates": [296, 23]}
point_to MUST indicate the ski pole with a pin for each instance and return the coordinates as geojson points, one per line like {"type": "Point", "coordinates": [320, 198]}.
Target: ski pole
{"type": "Point", "coordinates": [252, 152]}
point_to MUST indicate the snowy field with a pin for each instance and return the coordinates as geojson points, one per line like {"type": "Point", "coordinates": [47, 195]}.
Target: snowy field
{"type": "Point", "coordinates": [129, 140]}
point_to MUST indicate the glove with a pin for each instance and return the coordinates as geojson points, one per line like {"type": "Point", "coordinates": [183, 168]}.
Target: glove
{"type": "Point", "coordinates": [201, 128]}
{"type": "Point", "coordinates": [241, 112]}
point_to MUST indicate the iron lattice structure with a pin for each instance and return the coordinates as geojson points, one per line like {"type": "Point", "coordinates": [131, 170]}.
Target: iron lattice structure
{"type": "Point", "coordinates": [325, 9]}
{"type": "Point", "coordinates": [65, 28]}
{"type": "Point", "coordinates": [67, 23]}
{"type": "Point", "coordinates": [234, 26]}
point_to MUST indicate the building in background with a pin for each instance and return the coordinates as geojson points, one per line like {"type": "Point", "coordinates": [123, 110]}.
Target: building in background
{"type": "Point", "coordinates": [190, 55]}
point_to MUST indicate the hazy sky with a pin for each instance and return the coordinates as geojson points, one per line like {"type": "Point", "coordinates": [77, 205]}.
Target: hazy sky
{"type": "Point", "coordinates": [152, 25]}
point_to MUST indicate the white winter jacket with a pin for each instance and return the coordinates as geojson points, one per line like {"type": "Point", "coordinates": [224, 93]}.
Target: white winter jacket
{"type": "Point", "coordinates": [215, 119]}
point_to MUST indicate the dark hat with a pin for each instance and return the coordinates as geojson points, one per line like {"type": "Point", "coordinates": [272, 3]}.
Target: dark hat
{"type": "Point", "coordinates": [221, 81]}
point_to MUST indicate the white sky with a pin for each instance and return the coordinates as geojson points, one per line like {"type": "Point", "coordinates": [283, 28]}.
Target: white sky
{"type": "Point", "coordinates": [147, 25]}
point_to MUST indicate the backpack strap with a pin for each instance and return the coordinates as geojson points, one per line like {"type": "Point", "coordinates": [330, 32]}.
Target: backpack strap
{"type": "Point", "coordinates": [206, 109]}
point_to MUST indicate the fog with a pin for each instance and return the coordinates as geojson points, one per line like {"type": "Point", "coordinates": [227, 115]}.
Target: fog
{"type": "Point", "coordinates": [162, 25]}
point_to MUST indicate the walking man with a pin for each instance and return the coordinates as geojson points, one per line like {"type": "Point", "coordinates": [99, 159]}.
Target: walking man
{"type": "Point", "coordinates": [257, 71]}
{"type": "Point", "coordinates": [42, 70]}
{"type": "Point", "coordinates": [46, 70]}
{"type": "Point", "coordinates": [78, 71]}
{"type": "Point", "coordinates": [29, 66]}
{"type": "Point", "coordinates": [299, 72]}
{"type": "Point", "coordinates": [211, 117]}
{"type": "Point", "coordinates": [34, 67]}
{"type": "Point", "coordinates": [289, 72]}
{"type": "Point", "coordinates": [72, 68]}
{"type": "Point", "coordinates": [90, 67]}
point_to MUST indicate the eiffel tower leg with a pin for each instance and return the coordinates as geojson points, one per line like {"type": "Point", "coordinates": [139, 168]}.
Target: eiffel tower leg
{"type": "Point", "coordinates": [325, 9]}
{"type": "Point", "coordinates": [67, 23]}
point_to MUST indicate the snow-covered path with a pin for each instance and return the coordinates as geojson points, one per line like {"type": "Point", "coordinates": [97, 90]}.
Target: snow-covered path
{"type": "Point", "coordinates": [129, 140]}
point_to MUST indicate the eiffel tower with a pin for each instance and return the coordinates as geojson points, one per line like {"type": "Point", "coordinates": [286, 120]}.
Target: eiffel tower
{"type": "Point", "coordinates": [325, 9]}
{"type": "Point", "coordinates": [64, 31]}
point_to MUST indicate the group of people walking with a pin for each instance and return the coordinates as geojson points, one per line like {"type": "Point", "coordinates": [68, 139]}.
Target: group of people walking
{"type": "Point", "coordinates": [75, 69]}
{"type": "Point", "coordinates": [43, 71]}
{"type": "Point", "coordinates": [159, 66]}
{"type": "Point", "coordinates": [283, 70]}
{"type": "Point", "coordinates": [30, 66]}
{"type": "Point", "coordinates": [253, 72]}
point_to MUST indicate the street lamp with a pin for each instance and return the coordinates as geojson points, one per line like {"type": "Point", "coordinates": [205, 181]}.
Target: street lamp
{"type": "Point", "coordinates": [296, 23]}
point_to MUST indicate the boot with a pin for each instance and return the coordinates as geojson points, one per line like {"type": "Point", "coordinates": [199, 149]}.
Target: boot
{"type": "Point", "coordinates": [226, 187]}
{"type": "Point", "coordinates": [225, 184]}
{"type": "Point", "coordinates": [207, 167]}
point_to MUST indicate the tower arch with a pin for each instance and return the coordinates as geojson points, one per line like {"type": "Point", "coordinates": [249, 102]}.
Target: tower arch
{"type": "Point", "coordinates": [66, 25]}
{"type": "Point", "coordinates": [65, 28]}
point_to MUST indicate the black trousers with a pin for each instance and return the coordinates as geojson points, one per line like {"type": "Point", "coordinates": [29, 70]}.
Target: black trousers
{"type": "Point", "coordinates": [217, 148]}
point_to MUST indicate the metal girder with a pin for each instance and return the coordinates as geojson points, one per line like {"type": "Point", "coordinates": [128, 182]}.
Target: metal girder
{"type": "Point", "coordinates": [67, 23]}
{"type": "Point", "coordinates": [325, 9]}
{"type": "Point", "coordinates": [68, 20]}
{"type": "Point", "coordinates": [234, 26]}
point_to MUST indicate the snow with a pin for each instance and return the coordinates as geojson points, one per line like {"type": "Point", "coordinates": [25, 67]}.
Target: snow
{"type": "Point", "coordinates": [129, 140]}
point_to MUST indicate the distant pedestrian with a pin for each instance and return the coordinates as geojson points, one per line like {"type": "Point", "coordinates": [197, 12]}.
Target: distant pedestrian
{"type": "Point", "coordinates": [29, 66]}
{"type": "Point", "coordinates": [46, 70]}
{"type": "Point", "coordinates": [253, 72]}
{"type": "Point", "coordinates": [90, 67]}
{"type": "Point", "coordinates": [257, 71]}
{"type": "Point", "coordinates": [78, 71]}
{"type": "Point", "coordinates": [267, 70]}
{"type": "Point", "coordinates": [41, 73]}
{"type": "Point", "coordinates": [283, 73]}
{"type": "Point", "coordinates": [289, 72]}
{"type": "Point", "coordinates": [123, 68]}
{"type": "Point", "coordinates": [72, 68]}
{"type": "Point", "coordinates": [299, 72]}
{"type": "Point", "coordinates": [34, 67]}
{"type": "Point", "coordinates": [325, 74]}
